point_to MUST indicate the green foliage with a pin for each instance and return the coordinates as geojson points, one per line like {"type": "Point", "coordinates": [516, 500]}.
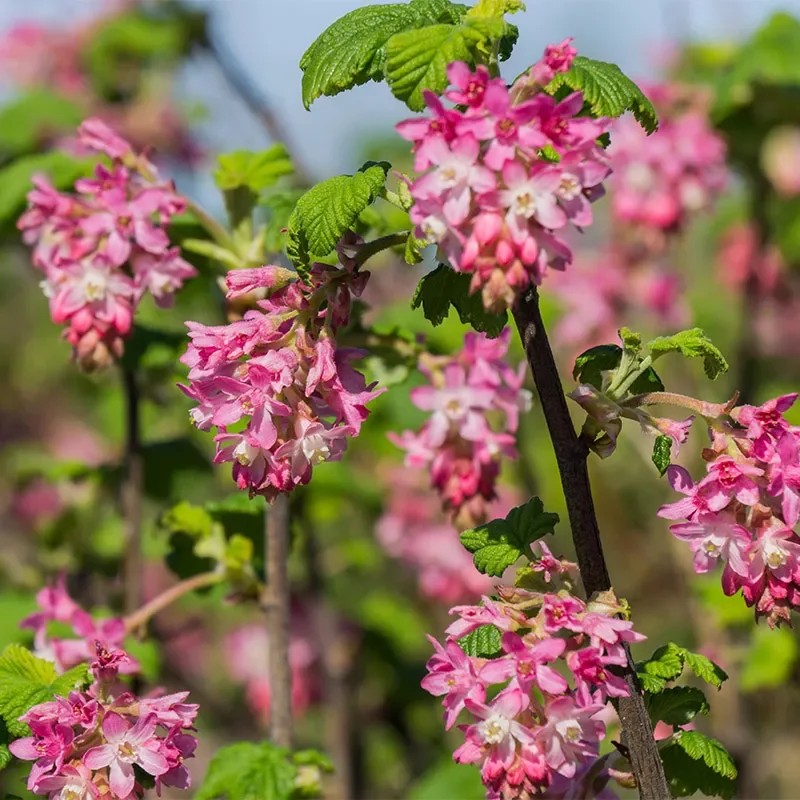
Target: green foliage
{"type": "Point", "coordinates": [696, 763]}
{"type": "Point", "coordinates": [483, 642]}
{"type": "Point", "coordinates": [408, 44]}
{"type": "Point", "coordinates": [662, 453]}
{"type": "Point", "coordinates": [417, 60]}
{"type": "Point", "coordinates": [279, 205]}
{"type": "Point", "coordinates": [667, 663]}
{"type": "Point", "coordinates": [39, 115]}
{"type": "Point", "coordinates": [449, 780]}
{"type": "Point", "coordinates": [27, 681]}
{"type": "Point", "coordinates": [15, 178]}
{"type": "Point", "coordinates": [251, 170]}
{"type": "Point", "coordinates": [597, 365]}
{"type": "Point", "coordinates": [677, 705]}
{"type": "Point", "coordinates": [249, 771]}
{"type": "Point", "coordinates": [444, 287]}
{"type": "Point", "coordinates": [692, 343]}
{"type": "Point", "coordinates": [770, 659]}
{"type": "Point", "coordinates": [328, 210]}
{"type": "Point", "coordinates": [607, 91]}
{"type": "Point", "coordinates": [498, 544]}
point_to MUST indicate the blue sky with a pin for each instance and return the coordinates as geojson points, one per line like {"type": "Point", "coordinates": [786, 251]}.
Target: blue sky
{"type": "Point", "coordinates": [269, 36]}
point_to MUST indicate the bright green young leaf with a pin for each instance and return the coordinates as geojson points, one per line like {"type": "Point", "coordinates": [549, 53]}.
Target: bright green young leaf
{"type": "Point", "coordinates": [417, 60]}
{"type": "Point", "coordinates": [498, 544]}
{"type": "Point", "coordinates": [591, 365]}
{"type": "Point", "coordinates": [483, 642]}
{"type": "Point", "coordinates": [666, 662]}
{"type": "Point", "coordinates": [5, 757]}
{"type": "Point", "coordinates": [662, 448]}
{"type": "Point", "coordinates": [677, 705]}
{"type": "Point", "coordinates": [689, 773]}
{"type": "Point", "coordinates": [705, 668]}
{"type": "Point", "coordinates": [256, 171]}
{"type": "Point", "coordinates": [204, 247]}
{"type": "Point", "coordinates": [606, 90]}
{"type": "Point", "coordinates": [692, 344]}
{"type": "Point", "coordinates": [249, 771]}
{"type": "Point", "coordinates": [631, 341]}
{"type": "Point", "coordinates": [324, 213]}
{"type": "Point", "coordinates": [27, 681]}
{"type": "Point", "coordinates": [651, 683]}
{"type": "Point", "coordinates": [443, 287]}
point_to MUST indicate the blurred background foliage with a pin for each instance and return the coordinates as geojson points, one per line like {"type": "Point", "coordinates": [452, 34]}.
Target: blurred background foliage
{"type": "Point", "coordinates": [61, 432]}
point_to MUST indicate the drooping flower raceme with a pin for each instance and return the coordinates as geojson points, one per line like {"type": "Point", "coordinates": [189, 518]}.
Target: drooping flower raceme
{"type": "Point", "coordinates": [544, 725]}
{"type": "Point", "coordinates": [104, 246]}
{"type": "Point", "coordinates": [281, 393]}
{"type": "Point", "coordinates": [457, 444]}
{"type": "Point", "coordinates": [743, 513]}
{"type": "Point", "coordinates": [85, 746]}
{"type": "Point", "coordinates": [494, 205]}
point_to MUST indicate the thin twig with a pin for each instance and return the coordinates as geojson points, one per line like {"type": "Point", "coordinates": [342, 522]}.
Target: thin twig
{"type": "Point", "coordinates": [259, 106]}
{"type": "Point", "coordinates": [132, 488]}
{"type": "Point", "coordinates": [571, 455]}
{"type": "Point", "coordinates": [336, 662]}
{"type": "Point", "coordinates": [275, 601]}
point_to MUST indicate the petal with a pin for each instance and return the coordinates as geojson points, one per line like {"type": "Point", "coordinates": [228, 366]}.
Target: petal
{"type": "Point", "coordinates": [99, 757]}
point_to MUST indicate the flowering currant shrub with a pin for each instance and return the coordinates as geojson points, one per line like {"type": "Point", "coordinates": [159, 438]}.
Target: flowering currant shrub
{"type": "Point", "coordinates": [294, 357]}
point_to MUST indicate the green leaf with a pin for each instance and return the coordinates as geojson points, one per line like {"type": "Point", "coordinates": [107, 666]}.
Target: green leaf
{"type": "Point", "coordinates": [607, 91]}
{"type": "Point", "coordinates": [417, 60]}
{"type": "Point", "coordinates": [280, 204]}
{"type": "Point", "coordinates": [443, 287]}
{"type": "Point", "coordinates": [605, 358]}
{"type": "Point", "coordinates": [15, 178]}
{"type": "Point", "coordinates": [253, 170]}
{"type": "Point", "coordinates": [662, 449]}
{"type": "Point", "coordinates": [651, 683]}
{"type": "Point", "coordinates": [692, 344]}
{"type": "Point", "coordinates": [498, 544]}
{"type": "Point", "coordinates": [27, 681]}
{"type": "Point", "coordinates": [689, 773]}
{"type": "Point", "coordinates": [325, 212]}
{"type": "Point", "coordinates": [666, 662]}
{"type": "Point", "coordinates": [705, 669]}
{"type": "Point", "coordinates": [37, 116]}
{"type": "Point", "coordinates": [677, 705]}
{"type": "Point", "coordinates": [249, 771]}
{"type": "Point", "coordinates": [631, 341]}
{"type": "Point", "coordinates": [5, 757]}
{"type": "Point", "coordinates": [483, 642]}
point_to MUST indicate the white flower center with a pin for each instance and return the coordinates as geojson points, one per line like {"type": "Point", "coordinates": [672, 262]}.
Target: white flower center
{"type": "Point", "coordinates": [711, 547]}
{"type": "Point", "coordinates": [433, 228]}
{"type": "Point", "coordinates": [774, 555]}
{"type": "Point", "coordinates": [570, 186]}
{"type": "Point", "coordinates": [315, 449]}
{"type": "Point", "coordinates": [693, 196]}
{"type": "Point", "coordinates": [72, 792]}
{"type": "Point", "coordinates": [245, 453]}
{"type": "Point", "coordinates": [524, 203]}
{"type": "Point", "coordinates": [494, 729]}
{"type": "Point", "coordinates": [640, 177]}
{"type": "Point", "coordinates": [453, 408]}
{"type": "Point", "coordinates": [95, 284]}
{"type": "Point", "coordinates": [126, 752]}
{"type": "Point", "coordinates": [569, 730]}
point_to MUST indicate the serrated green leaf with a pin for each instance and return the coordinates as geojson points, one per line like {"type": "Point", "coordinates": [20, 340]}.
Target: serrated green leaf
{"type": "Point", "coordinates": [687, 775]}
{"type": "Point", "coordinates": [417, 60]}
{"type": "Point", "coordinates": [605, 358]}
{"type": "Point", "coordinates": [249, 771]}
{"type": "Point", "coordinates": [498, 544]}
{"type": "Point", "coordinates": [677, 705]}
{"type": "Point", "coordinates": [27, 681]}
{"type": "Point", "coordinates": [254, 170]}
{"type": "Point", "coordinates": [705, 668]}
{"type": "Point", "coordinates": [413, 249]}
{"type": "Point", "coordinates": [606, 90]}
{"type": "Point", "coordinates": [651, 683]}
{"type": "Point", "coordinates": [662, 453]}
{"type": "Point", "coordinates": [5, 757]}
{"type": "Point", "coordinates": [631, 341]}
{"type": "Point", "coordinates": [692, 343]}
{"type": "Point", "coordinates": [483, 642]}
{"type": "Point", "coordinates": [666, 662]}
{"type": "Point", "coordinates": [444, 287]}
{"type": "Point", "coordinates": [327, 211]}
{"type": "Point", "coordinates": [713, 753]}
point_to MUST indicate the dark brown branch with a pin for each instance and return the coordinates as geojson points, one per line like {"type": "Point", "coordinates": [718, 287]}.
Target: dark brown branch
{"type": "Point", "coordinates": [275, 601]}
{"type": "Point", "coordinates": [571, 455]}
{"type": "Point", "coordinates": [132, 494]}
{"type": "Point", "coordinates": [253, 98]}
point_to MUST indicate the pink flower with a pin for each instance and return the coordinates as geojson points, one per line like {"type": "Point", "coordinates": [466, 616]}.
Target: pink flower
{"type": "Point", "coordinates": [527, 663]}
{"type": "Point", "coordinates": [570, 734]}
{"type": "Point", "coordinates": [73, 782]}
{"type": "Point", "coordinates": [244, 281]}
{"type": "Point", "coordinates": [700, 498]}
{"type": "Point", "coordinates": [125, 747]}
{"type": "Point", "coordinates": [49, 746]}
{"type": "Point", "coordinates": [712, 538]}
{"type": "Point", "coordinates": [730, 478]}
{"type": "Point", "coordinates": [96, 135]}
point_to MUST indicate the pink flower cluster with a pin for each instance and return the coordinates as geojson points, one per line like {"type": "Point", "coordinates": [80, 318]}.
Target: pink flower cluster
{"type": "Point", "coordinates": [457, 443]}
{"type": "Point", "coordinates": [278, 376]}
{"type": "Point", "coordinates": [86, 746]}
{"type": "Point", "coordinates": [103, 247]}
{"type": "Point", "coordinates": [246, 652]}
{"type": "Point", "coordinates": [662, 179]}
{"type": "Point", "coordinates": [743, 512]}
{"type": "Point", "coordinates": [412, 529]}
{"type": "Point", "coordinates": [545, 724]}
{"type": "Point", "coordinates": [55, 605]}
{"type": "Point", "coordinates": [492, 203]}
